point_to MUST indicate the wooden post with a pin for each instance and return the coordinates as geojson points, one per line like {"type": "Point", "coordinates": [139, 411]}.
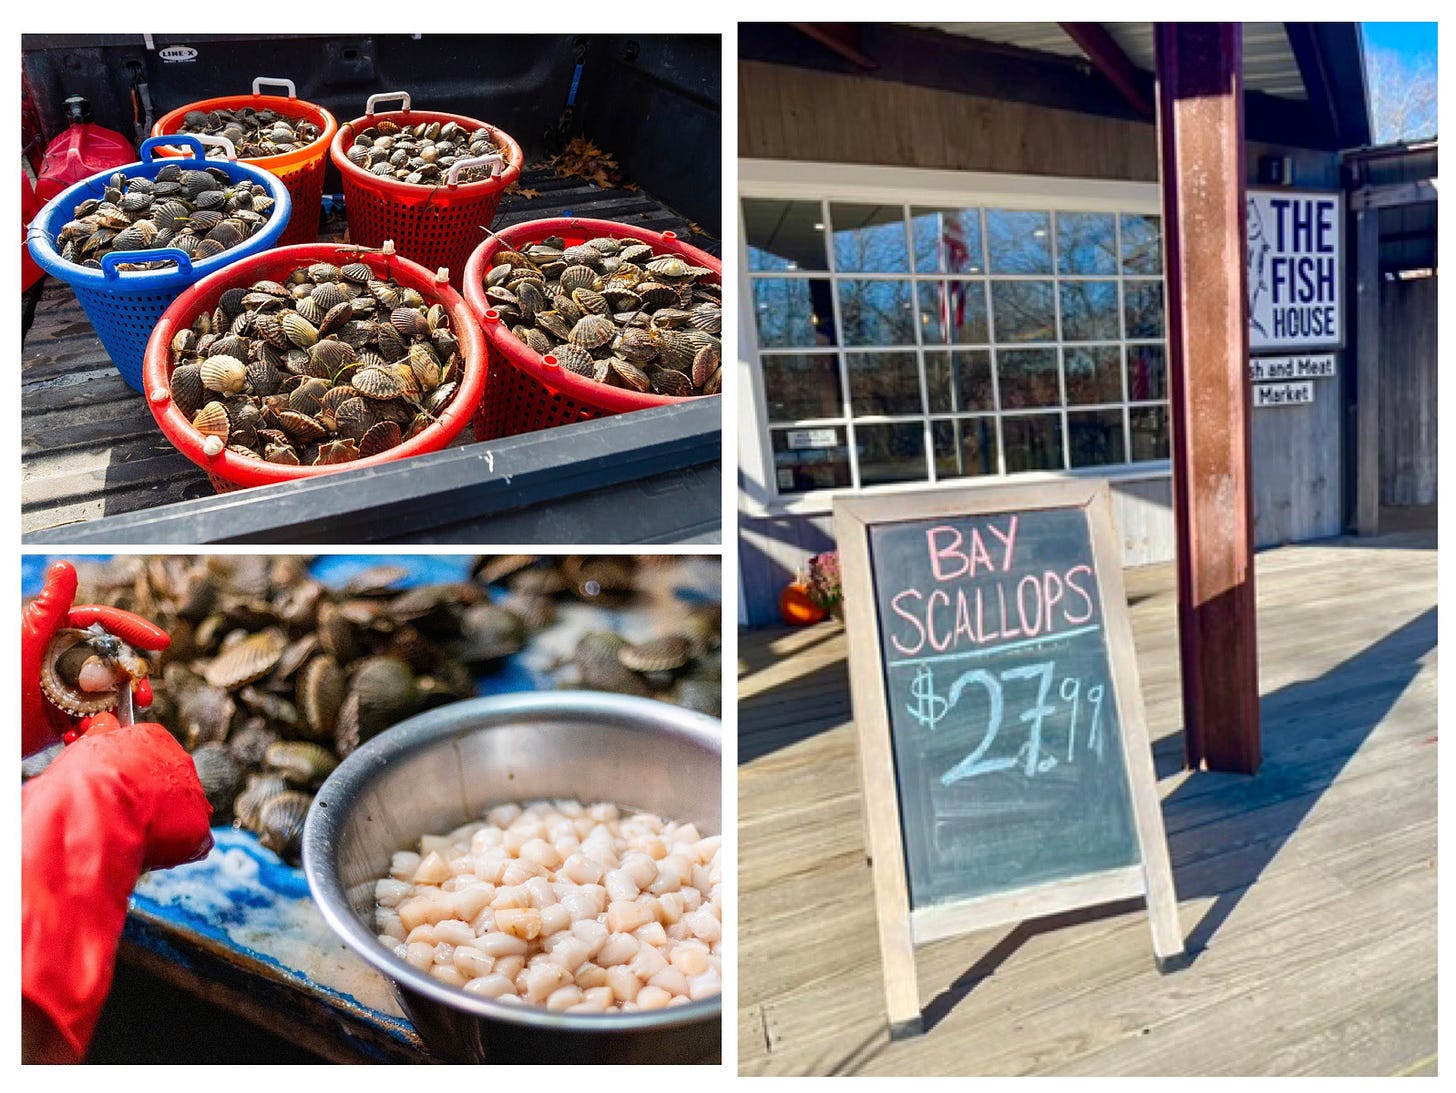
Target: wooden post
{"type": "Point", "coordinates": [1201, 134]}
{"type": "Point", "coordinates": [1367, 376]}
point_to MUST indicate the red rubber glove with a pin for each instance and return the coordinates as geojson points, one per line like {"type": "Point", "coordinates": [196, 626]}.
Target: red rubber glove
{"type": "Point", "coordinates": [119, 800]}
{"type": "Point", "coordinates": [41, 723]}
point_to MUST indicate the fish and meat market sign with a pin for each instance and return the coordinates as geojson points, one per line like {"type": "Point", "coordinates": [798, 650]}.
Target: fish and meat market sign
{"type": "Point", "coordinates": [1005, 761]}
{"type": "Point", "coordinates": [1295, 258]}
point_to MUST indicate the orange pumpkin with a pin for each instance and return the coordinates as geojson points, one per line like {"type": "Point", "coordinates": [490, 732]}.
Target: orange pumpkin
{"type": "Point", "coordinates": [797, 609]}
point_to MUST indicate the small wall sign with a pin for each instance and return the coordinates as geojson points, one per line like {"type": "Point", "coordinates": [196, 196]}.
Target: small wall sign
{"type": "Point", "coordinates": [1308, 366]}
{"type": "Point", "coordinates": [1295, 261]}
{"type": "Point", "coordinates": [1283, 394]}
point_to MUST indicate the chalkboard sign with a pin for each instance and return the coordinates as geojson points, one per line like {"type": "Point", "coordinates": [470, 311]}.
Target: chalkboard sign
{"type": "Point", "coordinates": [1006, 766]}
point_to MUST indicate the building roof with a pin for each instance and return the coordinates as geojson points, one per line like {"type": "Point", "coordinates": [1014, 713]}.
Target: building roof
{"type": "Point", "coordinates": [1304, 82]}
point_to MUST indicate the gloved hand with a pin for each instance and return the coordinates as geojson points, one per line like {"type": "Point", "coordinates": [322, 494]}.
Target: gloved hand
{"type": "Point", "coordinates": [119, 800]}
{"type": "Point", "coordinates": [40, 722]}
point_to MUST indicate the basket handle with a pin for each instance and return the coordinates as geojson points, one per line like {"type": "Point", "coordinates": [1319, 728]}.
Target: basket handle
{"type": "Point", "coordinates": [259, 81]}
{"type": "Point", "coordinates": [220, 142]}
{"type": "Point", "coordinates": [496, 161]}
{"type": "Point", "coordinates": [383, 96]}
{"type": "Point", "coordinates": [112, 259]}
{"type": "Point", "coordinates": [173, 140]}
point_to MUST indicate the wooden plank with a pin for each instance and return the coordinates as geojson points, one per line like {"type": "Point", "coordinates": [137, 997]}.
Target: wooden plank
{"type": "Point", "coordinates": [1201, 131]}
{"type": "Point", "coordinates": [948, 920]}
{"type": "Point", "coordinates": [1367, 381]}
{"type": "Point", "coordinates": [1319, 871]}
{"type": "Point", "coordinates": [877, 776]}
{"type": "Point", "coordinates": [1394, 194]}
{"type": "Point", "coordinates": [802, 114]}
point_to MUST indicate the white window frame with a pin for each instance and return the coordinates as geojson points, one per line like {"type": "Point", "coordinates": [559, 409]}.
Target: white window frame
{"type": "Point", "coordinates": [865, 184]}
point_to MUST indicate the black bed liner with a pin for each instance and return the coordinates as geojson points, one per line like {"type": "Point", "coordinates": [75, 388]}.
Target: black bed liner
{"type": "Point", "coordinates": [97, 469]}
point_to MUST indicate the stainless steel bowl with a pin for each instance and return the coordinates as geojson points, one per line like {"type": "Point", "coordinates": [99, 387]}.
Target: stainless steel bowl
{"type": "Point", "coordinates": [444, 768]}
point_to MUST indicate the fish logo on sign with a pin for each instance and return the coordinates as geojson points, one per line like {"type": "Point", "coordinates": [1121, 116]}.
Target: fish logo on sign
{"type": "Point", "coordinates": [176, 54]}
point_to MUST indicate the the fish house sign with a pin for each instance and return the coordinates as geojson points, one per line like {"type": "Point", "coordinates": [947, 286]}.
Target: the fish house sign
{"type": "Point", "coordinates": [1295, 260]}
{"type": "Point", "coordinates": [1006, 766]}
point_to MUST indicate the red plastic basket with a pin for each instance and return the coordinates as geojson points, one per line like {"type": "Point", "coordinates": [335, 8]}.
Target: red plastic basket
{"type": "Point", "coordinates": [526, 391]}
{"type": "Point", "coordinates": [436, 226]}
{"type": "Point", "coordinates": [302, 170]}
{"type": "Point", "coordinates": [228, 471]}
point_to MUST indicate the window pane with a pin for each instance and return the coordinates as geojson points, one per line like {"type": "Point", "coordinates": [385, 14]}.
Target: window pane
{"type": "Point", "coordinates": [1089, 311]}
{"type": "Point", "coordinates": [876, 312]}
{"type": "Point", "coordinates": [1023, 311]}
{"type": "Point", "coordinates": [1033, 442]}
{"type": "Point", "coordinates": [1143, 303]}
{"type": "Point", "coordinates": [1094, 374]}
{"type": "Point", "coordinates": [869, 238]}
{"type": "Point", "coordinates": [1142, 244]}
{"type": "Point", "coordinates": [1094, 437]}
{"type": "Point", "coordinates": [810, 459]}
{"type": "Point", "coordinates": [1028, 377]}
{"type": "Point", "coordinates": [947, 240]}
{"type": "Point", "coordinates": [964, 447]}
{"type": "Point", "coordinates": [1149, 432]}
{"type": "Point", "coordinates": [890, 453]}
{"type": "Point", "coordinates": [1019, 242]}
{"type": "Point", "coordinates": [883, 383]}
{"type": "Point", "coordinates": [959, 381]}
{"type": "Point", "coordinates": [801, 385]}
{"type": "Point", "coordinates": [1147, 373]}
{"type": "Point", "coordinates": [953, 312]}
{"type": "Point", "coordinates": [784, 234]}
{"type": "Point", "coordinates": [793, 312]}
{"type": "Point", "coordinates": [1086, 243]}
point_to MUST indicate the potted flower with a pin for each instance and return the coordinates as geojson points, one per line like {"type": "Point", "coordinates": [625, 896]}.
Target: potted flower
{"type": "Point", "coordinates": [824, 584]}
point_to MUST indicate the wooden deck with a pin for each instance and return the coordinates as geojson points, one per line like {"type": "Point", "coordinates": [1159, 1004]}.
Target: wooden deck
{"type": "Point", "coordinates": [1306, 893]}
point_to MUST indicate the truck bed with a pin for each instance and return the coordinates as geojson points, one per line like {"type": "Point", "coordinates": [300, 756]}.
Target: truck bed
{"type": "Point", "coordinates": [90, 448]}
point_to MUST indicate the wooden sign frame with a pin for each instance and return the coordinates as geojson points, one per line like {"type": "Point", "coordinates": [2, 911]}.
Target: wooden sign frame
{"type": "Point", "coordinates": [900, 928]}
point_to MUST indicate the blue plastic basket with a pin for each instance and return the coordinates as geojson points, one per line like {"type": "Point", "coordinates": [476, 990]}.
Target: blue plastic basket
{"type": "Point", "coordinates": [124, 305]}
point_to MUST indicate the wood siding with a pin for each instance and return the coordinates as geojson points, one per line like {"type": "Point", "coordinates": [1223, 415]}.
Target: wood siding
{"type": "Point", "coordinates": [1297, 475]}
{"type": "Point", "coordinates": [1408, 392]}
{"type": "Point", "coordinates": [795, 113]}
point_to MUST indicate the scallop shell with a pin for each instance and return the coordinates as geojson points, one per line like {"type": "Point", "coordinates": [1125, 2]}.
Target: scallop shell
{"type": "Point", "coordinates": [280, 823]}
{"type": "Point", "coordinates": [187, 389]}
{"type": "Point", "coordinates": [298, 330]}
{"type": "Point", "coordinates": [212, 420]}
{"type": "Point", "coordinates": [592, 332]}
{"type": "Point", "coordinates": [344, 450]}
{"type": "Point", "coordinates": [320, 690]}
{"type": "Point", "coordinates": [221, 775]}
{"type": "Point", "coordinates": [379, 438]}
{"type": "Point", "coordinates": [706, 361]}
{"type": "Point", "coordinates": [244, 661]}
{"type": "Point", "coordinates": [80, 670]}
{"type": "Point", "coordinates": [669, 381]}
{"type": "Point", "coordinates": [261, 789]}
{"type": "Point", "coordinates": [301, 426]}
{"type": "Point", "coordinates": [375, 383]}
{"type": "Point", "coordinates": [301, 762]}
{"type": "Point", "coordinates": [658, 655]}
{"type": "Point", "coordinates": [224, 374]}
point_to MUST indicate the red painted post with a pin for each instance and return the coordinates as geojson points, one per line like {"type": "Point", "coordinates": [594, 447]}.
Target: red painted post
{"type": "Point", "coordinates": [1201, 133]}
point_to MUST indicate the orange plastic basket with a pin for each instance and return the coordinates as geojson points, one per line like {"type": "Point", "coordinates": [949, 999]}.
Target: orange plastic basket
{"type": "Point", "coordinates": [436, 226]}
{"type": "Point", "coordinates": [527, 391]}
{"type": "Point", "coordinates": [301, 171]}
{"type": "Point", "coordinates": [229, 471]}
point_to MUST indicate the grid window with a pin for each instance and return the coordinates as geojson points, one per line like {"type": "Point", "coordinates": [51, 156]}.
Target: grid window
{"type": "Point", "coordinates": [914, 343]}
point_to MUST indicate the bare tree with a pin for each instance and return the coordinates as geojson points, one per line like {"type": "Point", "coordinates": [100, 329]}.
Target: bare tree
{"type": "Point", "coordinates": [1402, 96]}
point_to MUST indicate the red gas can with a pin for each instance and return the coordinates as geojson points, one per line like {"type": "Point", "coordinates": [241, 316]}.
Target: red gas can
{"type": "Point", "coordinates": [81, 151]}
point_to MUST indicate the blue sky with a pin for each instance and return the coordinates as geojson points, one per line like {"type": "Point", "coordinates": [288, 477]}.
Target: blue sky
{"type": "Point", "coordinates": [1413, 40]}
